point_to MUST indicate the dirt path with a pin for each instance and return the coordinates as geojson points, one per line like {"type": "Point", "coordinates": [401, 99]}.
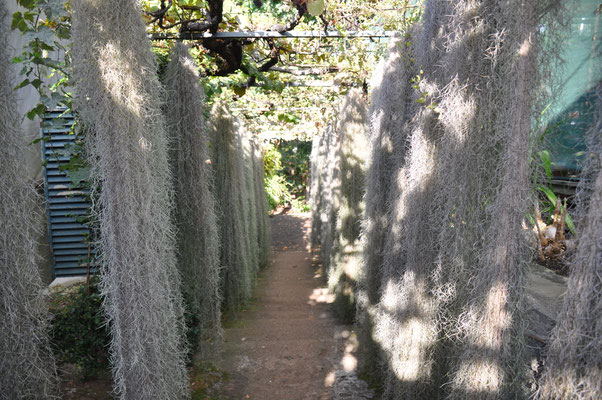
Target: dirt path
{"type": "Point", "coordinates": [287, 345]}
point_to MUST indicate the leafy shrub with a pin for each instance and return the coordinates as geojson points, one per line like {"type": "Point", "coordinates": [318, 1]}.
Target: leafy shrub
{"type": "Point", "coordinates": [272, 160]}
{"type": "Point", "coordinates": [78, 333]}
{"type": "Point", "coordinates": [277, 191]}
{"type": "Point", "coordinates": [295, 164]}
{"type": "Point", "coordinates": [286, 165]}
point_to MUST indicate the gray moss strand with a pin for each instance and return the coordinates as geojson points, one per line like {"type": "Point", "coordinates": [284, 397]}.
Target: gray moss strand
{"type": "Point", "coordinates": [117, 95]}
{"type": "Point", "coordinates": [194, 212]}
{"type": "Point", "coordinates": [27, 368]}
{"type": "Point", "coordinates": [440, 295]}
{"type": "Point", "coordinates": [238, 267]}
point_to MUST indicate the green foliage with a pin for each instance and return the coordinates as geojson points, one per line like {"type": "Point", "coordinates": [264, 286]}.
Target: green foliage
{"type": "Point", "coordinates": [79, 334]}
{"type": "Point", "coordinates": [286, 165]}
{"type": "Point", "coordinates": [542, 166]}
{"type": "Point", "coordinates": [272, 160]}
{"type": "Point", "coordinates": [277, 191]}
{"type": "Point", "coordinates": [295, 164]}
{"type": "Point", "coordinates": [549, 202]}
{"type": "Point", "coordinates": [46, 26]}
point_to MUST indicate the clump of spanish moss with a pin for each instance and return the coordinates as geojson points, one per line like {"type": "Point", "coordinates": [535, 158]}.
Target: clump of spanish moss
{"type": "Point", "coordinates": [317, 160]}
{"type": "Point", "coordinates": [27, 368]}
{"type": "Point", "coordinates": [484, 134]}
{"type": "Point", "coordinates": [230, 188]}
{"type": "Point", "coordinates": [261, 213]}
{"type": "Point", "coordinates": [250, 198]}
{"type": "Point", "coordinates": [404, 316]}
{"type": "Point", "coordinates": [117, 97]}
{"type": "Point", "coordinates": [345, 257]}
{"type": "Point", "coordinates": [573, 368]}
{"type": "Point", "coordinates": [198, 243]}
{"type": "Point", "coordinates": [391, 91]}
{"type": "Point", "coordinates": [330, 196]}
{"type": "Point", "coordinates": [441, 293]}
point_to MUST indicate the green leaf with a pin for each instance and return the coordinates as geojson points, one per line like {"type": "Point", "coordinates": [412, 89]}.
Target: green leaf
{"type": "Point", "coordinates": [239, 90]}
{"type": "Point", "coordinates": [38, 140]}
{"type": "Point", "coordinates": [552, 198]}
{"type": "Point", "coordinates": [78, 175]}
{"type": "Point", "coordinates": [37, 110]}
{"type": "Point", "coordinates": [36, 83]}
{"type": "Point", "coordinates": [548, 192]}
{"type": "Point", "coordinates": [29, 4]}
{"type": "Point", "coordinates": [315, 7]}
{"type": "Point", "coordinates": [17, 60]}
{"type": "Point", "coordinates": [546, 162]}
{"type": "Point", "coordinates": [62, 32]}
{"type": "Point", "coordinates": [23, 83]}
{"type": "Point", "coordinates": [18, 22]}
{"type": "Point", "coordinates": [28, 16]}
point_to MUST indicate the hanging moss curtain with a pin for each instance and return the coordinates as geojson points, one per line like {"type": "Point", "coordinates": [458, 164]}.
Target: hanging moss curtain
{"type": "Point", "coordinates": [441, 289]}
{"type": "Point", "coordinates": [27, 368]}
{"type": "Point", "coordinates": [194, 212]}
{"type": "Point", "coordinates": [117, 96]}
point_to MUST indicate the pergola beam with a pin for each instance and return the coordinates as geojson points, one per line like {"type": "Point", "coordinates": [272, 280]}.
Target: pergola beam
{"type": "Point", "coordinates": [272, 35]}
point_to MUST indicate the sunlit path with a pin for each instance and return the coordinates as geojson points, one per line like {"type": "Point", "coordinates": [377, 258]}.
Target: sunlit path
{"type": "Point", "coordinates": [287, 344]}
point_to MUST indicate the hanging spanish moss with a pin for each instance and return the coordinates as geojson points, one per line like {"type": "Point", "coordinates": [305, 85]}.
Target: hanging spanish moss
{"type": "Point", "coordinates": [117, 92]}
{"type": "Point", "coordinates": [230, 187]}
{"type": "Point", "coordinates": [198, 243]}
{"type": "Point", "coordinates": [250, 199]}
{"type": "Point", "coordinates": [488, 355]}
{"type": "Point", "coordinates": [263, 223]}
{"type": "Point", "coordinates": [573, 368]}
{"type": "Point", "coordinates": [390, 92]}
{"type": "Point", "coordinates": [330, 196]}
{"type": "Point", "coordinates": [317, 160]}
{"type": "Point", "coordinates": [345, 258]}
{"type": "Point", "coordinates": [451, 260]}
{"type": "Point", "coordinates": [27, 368]}
{"type": "Point", "coordinates": [404, 319]}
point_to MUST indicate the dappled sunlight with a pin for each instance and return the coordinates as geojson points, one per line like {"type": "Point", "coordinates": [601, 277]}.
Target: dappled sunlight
{"type": "Point", "coordinates": [122, 87]}
{"type": "Point", "coordinates": [480, 376]}
{"type": "Point", "coordinates": [458, 109]}
{"type": "Point", "coordinates": [405, 328]}
{"type": "Point", "coordinates": [525, 47]}
{"type": "Point", "coordinates": [320, 295]}
{"type": "Point", "coordinates": [144, 143]}
{"type": "Point", "coordinates": [343, 377]}
{"type": "Point", "coordinates": [329, 380]}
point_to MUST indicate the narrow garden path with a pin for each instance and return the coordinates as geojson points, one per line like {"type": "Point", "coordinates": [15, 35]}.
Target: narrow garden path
{"type": "Point", "coordinates": [287, 344]}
